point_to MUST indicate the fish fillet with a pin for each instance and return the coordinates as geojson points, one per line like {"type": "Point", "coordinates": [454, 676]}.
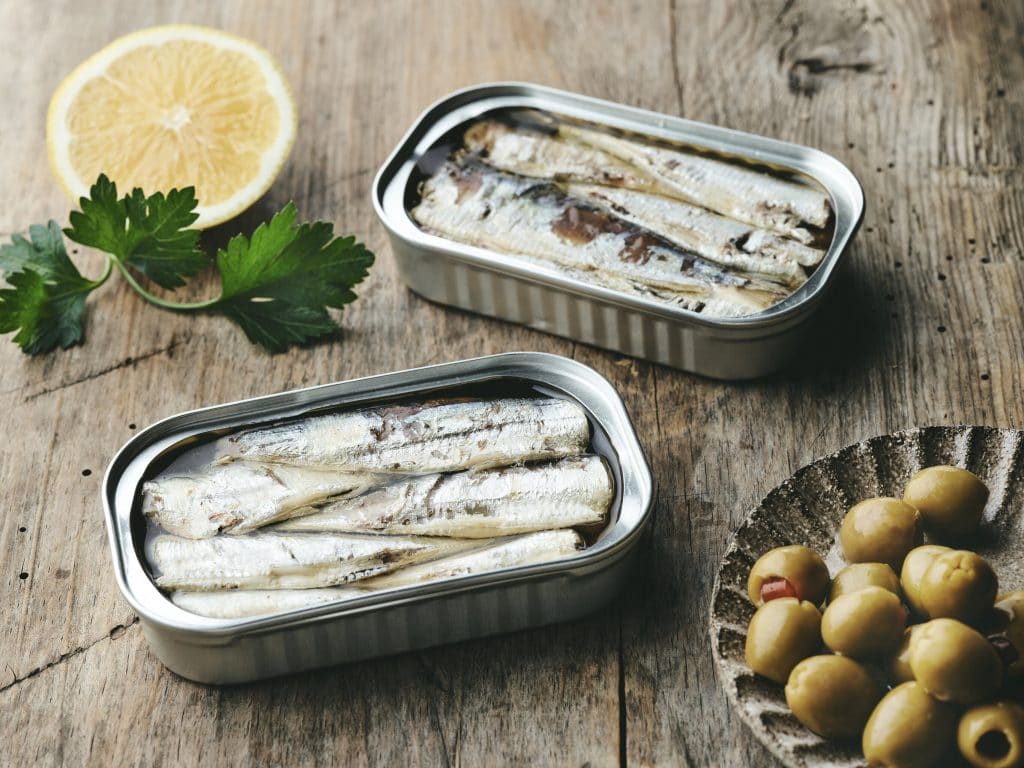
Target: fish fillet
{"type": "Point", "coordinates": [545, 156]}
{"type": "Point", "coordinates": [716, 238]}
{"type": "Point", "coordinates": [425, 438]}
{"type": "Point", "coordinates": [528, 549]}
{"type": "Point", "coordinates": [740, 193]}
{"type": "Point", "coordinates": [475, 504]}
{"type": "Point", "coordinates": [241, 496]}
{"type": "Point", "coordinates": [287, 560]}
{"type": "Point", "coordinates": [509, 553]}
{"type": "Point", "coordinates": [475, 204]}
{"type": "Point", "coordinates": [244, 603]}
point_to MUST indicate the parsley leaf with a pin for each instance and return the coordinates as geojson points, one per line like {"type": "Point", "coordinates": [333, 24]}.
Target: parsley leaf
{"type": "Point", "coordinates": [43, 252]}
{"type": "Point", "coordinates": [149, 234]}
{"type": "Point", "coordinates": [47, 293]}
{"type": "Point", "coordinates": [279, 284]}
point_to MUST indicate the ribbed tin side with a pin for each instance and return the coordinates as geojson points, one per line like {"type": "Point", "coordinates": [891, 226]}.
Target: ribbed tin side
{"type": "Point", "coordinates": [722, 355]}
{"type": "Point", "coordinates": [388, 630]}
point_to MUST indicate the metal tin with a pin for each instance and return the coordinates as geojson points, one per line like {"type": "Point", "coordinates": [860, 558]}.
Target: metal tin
{"type": "Point", "coordinates": [397, 620]}
{"type": "Point", "coordinates": [502, 286]}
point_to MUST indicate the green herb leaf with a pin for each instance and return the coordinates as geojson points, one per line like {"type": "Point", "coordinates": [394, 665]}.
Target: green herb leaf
{"type": "Point", "coordinates": [279, 285]}
{"type": "Point", "coordinates": [149, 234]}
{"type": "Point", "coordinates": [43, 252]}
{"type": "Point", "coordinates": [47, 293]}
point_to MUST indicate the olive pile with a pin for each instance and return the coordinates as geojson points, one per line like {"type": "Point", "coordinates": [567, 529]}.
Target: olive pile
{"type": "Point", "coordinates": [917, 665]}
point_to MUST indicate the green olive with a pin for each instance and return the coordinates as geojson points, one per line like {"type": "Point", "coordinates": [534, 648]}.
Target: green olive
{"type": "Point", "coordinates": [958, 585]}
{"type": "Point", "coordinates": [908, 729]}
{"type": "Point", "coordinates": [782, 633]}
{"type": "Point", "coordinates": [992, 735]}
{"type": "Point", "coordinates": [954, 662]}
{"type": "Point", "coordinates": [898, 665]}
{"type": "Point", "coordinates": [880, 530]}
{"type": "Point", "coordinates": [865, 623]}
{"type": "Point", "coordinates": [950, 500]}
{"type": "Point", "coordinates": [917, 562]}
{"type": "Point", "coordinates": [1009, 610]}
{"type": "Point", "coordinates": [860, 575]}
{"type": "Point", "coordinates": [801, 566]}
{"type": "Point", "coordinates": [832, 695]}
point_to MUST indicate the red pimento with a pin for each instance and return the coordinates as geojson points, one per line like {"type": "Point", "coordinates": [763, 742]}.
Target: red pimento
{"type": "Point", "coordinates": [773, 589]}
{"type": "Point", "coordinates": [1007, 651]}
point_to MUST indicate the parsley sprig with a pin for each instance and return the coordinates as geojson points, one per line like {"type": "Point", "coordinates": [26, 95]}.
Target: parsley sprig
{"type": "Point", "coordinates": [278, 285]}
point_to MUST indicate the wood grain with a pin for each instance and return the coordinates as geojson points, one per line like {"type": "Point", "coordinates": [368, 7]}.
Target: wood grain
{"type": "Point", "coordinates": [922, 99]}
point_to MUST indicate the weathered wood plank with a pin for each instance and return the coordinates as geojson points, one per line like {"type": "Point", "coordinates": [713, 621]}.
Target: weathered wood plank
{"type": "Point", "coordinates": [923, 100]}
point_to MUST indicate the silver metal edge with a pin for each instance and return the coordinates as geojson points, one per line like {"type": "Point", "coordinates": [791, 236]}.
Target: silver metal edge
{"type": "Point", "coordinates": [841, 184]}
{"type": "Point", "coordinates": [609, 411]}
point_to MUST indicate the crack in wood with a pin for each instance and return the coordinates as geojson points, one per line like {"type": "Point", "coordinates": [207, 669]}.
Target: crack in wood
{"type": "Point", "coordinates": [674, 52]}
{"type": "Point", "coordinates": [801, 81]}
{"type": "Point", "coordinates": [167, 349]}
{"type": "Point", "coordinates": [794, 31]}
{"type": "Point", "coordinates": [435, 718]}
{"type": "Point", "coordinates": [802, 69]}
{"type": "Point", "coordinates": [623, 755]}
{"type": "Point", "coordinates": [816, 65]}
{"type": "Point", "coordinates": [115, 632]}
{"type": "Point", "coordinates": [786, 8]}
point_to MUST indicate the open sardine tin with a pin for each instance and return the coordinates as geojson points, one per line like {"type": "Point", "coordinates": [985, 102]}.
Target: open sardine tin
{"type": "Point", "coordinates": [400, 619]}
{"type": "Point", "coordinates": [503, 286]}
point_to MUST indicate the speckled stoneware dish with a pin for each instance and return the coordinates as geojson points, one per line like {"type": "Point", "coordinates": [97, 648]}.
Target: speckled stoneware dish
{"type": "Point", "coordinates": [808, 509]}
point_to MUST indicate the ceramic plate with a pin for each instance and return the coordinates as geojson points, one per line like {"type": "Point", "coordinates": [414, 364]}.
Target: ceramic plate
{"type": "Point", "coordinates": [808, 509]}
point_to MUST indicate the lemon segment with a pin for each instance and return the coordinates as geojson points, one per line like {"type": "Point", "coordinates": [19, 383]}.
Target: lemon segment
{"type": "Point", "coordinates": [175, 106]}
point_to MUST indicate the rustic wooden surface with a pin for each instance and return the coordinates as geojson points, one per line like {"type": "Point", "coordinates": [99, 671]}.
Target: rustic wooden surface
{"type": "Point", "coordinates": [923, 100]}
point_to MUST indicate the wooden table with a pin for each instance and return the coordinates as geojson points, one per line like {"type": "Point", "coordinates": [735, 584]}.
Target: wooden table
{"type": "Point", "coordinates": [923, 100]}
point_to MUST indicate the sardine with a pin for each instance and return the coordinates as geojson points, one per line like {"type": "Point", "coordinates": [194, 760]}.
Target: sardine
{"type": "Point", "coordinates": [241, 496]}
{"type": "Point", "coordinates": [740, 193]}
{"type": "Point", "coordinates": [475, 504]}
{"type": "Point", "coordinates": [419, 439]}
{"type": "Point", "coordinates": [475, 204]}
{"type": "Point", "coordinates": [716, 238]}
{"type": "Point", "coordinates": [508, 553]}
{"type": "Point", "coordinates": [287, 560]}
{"type": "Point", "coordinates": [542, 155]}
{"type": "Point", "coordinates": [245, 603]}
{"type": "Point", "coordinates": [527, 549]}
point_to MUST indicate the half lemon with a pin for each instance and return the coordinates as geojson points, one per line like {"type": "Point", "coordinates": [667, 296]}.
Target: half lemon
{"type": "Point", "coordinates": [174, 106]}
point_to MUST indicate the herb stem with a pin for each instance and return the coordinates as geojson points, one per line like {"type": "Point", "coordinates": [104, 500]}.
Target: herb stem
{"type": "Point", "coordinates": [103, 278]}
{"type": "Point", "coordinates": [174, 306]}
